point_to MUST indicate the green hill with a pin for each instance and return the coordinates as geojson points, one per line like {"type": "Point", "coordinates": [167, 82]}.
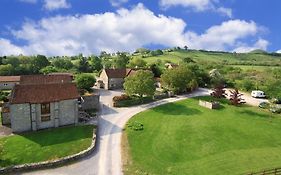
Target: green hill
{"type": "Point", "coordinates": [226, 58]}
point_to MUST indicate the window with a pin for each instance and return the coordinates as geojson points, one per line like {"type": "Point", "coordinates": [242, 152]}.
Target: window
{"type": "Point", "coordinates": [45, 108]}
{"type": "Point", "coordinates": [45, 112]}
{"type": "Point", "coordinates": [45, 118]}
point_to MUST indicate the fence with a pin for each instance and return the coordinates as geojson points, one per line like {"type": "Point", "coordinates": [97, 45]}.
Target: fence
{"type": "Point", "coordinates": [276, 171]}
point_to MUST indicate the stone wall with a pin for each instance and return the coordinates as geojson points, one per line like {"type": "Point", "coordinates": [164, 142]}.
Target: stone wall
{"type": "Point", "coordinates": [6, 120]}
{"type": "Point", "coordinates": [104, 79]}
{"type": "Point", "coordinates": [27, 117]}
{"type": "Point", "coordinates": [20, 117]}
{"type": "Point", "coordinates": [91, 102]}
{"type": "Point", "coordinates": [115, 83]}
{"type": "Point", "coordinates": [68, 112]}
{"type": "Point", "coordinates": [210, 105]}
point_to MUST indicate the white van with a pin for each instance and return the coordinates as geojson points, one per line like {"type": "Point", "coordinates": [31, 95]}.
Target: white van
{"type": "Point", "coordinates": [258, 94]}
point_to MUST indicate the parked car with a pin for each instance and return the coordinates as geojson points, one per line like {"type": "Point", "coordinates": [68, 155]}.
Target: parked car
{"type": "Point", "coordinates": [258, 94]}
{"type": "Point", "coordinates": [264, 105]}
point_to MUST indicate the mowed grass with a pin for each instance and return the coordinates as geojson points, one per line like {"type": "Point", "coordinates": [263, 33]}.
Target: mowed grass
{"type": "Point", "coordinates": [44, 145]}
{"type": "Point", "coordinates": [185, 138]}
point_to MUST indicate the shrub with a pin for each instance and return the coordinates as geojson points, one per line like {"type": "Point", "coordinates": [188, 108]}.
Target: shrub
{"type": "Point", "coordinates": [136, 126]}
{"type": "Point", "coordinates": [132, 102]}
{"type": "Point", "coordinates": [85, 81]}
{"type": "Point", "coordinates": [121, 98]}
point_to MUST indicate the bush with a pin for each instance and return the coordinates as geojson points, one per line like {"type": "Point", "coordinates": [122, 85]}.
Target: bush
{"type": "Point", "coordinates": [85, 81]}
{"type": "Point", "coordinates": [4, 96]}
{"type": "Point", "coordinates": [136, 126]}
{"type": "Point", "coordinates": [120, 98]}
{"type": "Point", "coordinates": [133, 101]}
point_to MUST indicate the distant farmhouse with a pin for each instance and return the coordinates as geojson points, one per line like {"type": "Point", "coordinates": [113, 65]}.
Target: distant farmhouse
{"type": "Point", "coordinates": [113, 78]}
{"type": "Point", "coordinates": [42, 101]}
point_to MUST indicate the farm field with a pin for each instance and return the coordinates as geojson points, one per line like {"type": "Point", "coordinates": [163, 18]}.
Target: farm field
{"type": "Point", "coordinates": [185, 138]}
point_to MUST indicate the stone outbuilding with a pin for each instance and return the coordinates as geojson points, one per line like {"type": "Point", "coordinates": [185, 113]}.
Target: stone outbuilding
{"type": "Point", "coordinates": [40, 106]}
{"type": "Point", "coordinates": [113, 78]}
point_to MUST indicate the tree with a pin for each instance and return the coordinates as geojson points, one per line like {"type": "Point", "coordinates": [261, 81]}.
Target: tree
{"type": "Point", "coordinates": [95, 63]}
{"type": "Point", "coordinates": [83, 65]}
{"type": "Point", "coordinates": [141, 83]}
{"type": "Point", "coordinates": [247, 84]}
{"type": "Point", "coordinates": [185, 47]}
{"type": "Point", "coordinates": [137, 63]}
{"type": "Point", "coordinates": [236, 97]}
{"type": "Point", "coordinates": [48, 69]}
{"type": "Point", "coordinates": [39, 62]}
{"type": "Point", "coordinates": [120, 61]}
{"type": "Point", "coordinates": [156, 52]}
{"type": "Point", "coordinates": [142, 51]}
{"type": "Point", "coordinates": [85, 81]}
{"type": "Point", "coordinates": [6, 69]}
{"type": "Point", "coordinates": [216, 78]}
{"type": "Point", "coordinates": [155, 70]}
{"type": "Point", "coordinates": [178, 79]}
{"type": "Point", "coordinates": [12, 60]}
{"type": "Point", "coordinates": [62, 63]}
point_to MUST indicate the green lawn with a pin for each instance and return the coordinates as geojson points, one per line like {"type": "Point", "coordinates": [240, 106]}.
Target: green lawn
{"type": "Point", "coordinates": [184, 138]}
{"type": "Point", "coordinates": [44, 145]}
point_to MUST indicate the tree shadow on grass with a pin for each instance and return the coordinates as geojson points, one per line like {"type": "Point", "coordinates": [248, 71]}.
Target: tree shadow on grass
{"type": "Point", "coordinates": [58, 135]}
{"type": "Point", "coordinates": [255, 114]}
{"type": "Point", "coordinates": [176, 109]}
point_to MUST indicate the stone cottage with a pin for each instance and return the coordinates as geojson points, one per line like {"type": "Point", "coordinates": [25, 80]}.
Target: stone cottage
{"type": "Point", "coordinates": [8, 82]}
{"type": "Point", "coordinates": [40, 106]}
{"type": "Point", "coordinates": [113, 78]}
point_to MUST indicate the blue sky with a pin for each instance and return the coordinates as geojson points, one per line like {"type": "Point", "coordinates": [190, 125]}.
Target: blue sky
{"type": "Point", "coordinates": [69, 27]}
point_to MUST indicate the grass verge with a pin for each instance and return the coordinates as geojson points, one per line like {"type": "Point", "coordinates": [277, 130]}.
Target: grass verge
{"type": "Point", "coordinates": [44, 145]}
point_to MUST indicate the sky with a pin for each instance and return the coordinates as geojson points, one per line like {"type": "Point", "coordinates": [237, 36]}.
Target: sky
{"type": "Point", "coordinates": [70, 27]}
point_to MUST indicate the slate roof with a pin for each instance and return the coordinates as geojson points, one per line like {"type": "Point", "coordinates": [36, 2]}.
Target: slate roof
{"type": "Point", "coordinates": [119, 73]}
{"type": "Point", "coordinates": [43, 93]}
{"type": "Point", "coordinates": [45, 79]}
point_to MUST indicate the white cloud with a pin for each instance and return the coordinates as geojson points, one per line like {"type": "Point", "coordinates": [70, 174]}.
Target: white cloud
{"type": "Point", "coordinates": [225, 11]}
{"type": "Point", "coordinates": [56, 4]}
{"type": "Point", "coordinates": [260, 44]}
{"type": "Point", "coordinates": [278, 51]}
{"type": "Point", "coordinates": [7, 48]}
{"type": "Point", "coordinates": [199, 5]}
{"type": "Point", "coordinates": [29, 1]}
{"type": "Point", "coordinates": [222, 36]}
{"type": "Point", "coordinates": [117, 3]}
{"type": "Point", "coordinates": [126, 30]}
